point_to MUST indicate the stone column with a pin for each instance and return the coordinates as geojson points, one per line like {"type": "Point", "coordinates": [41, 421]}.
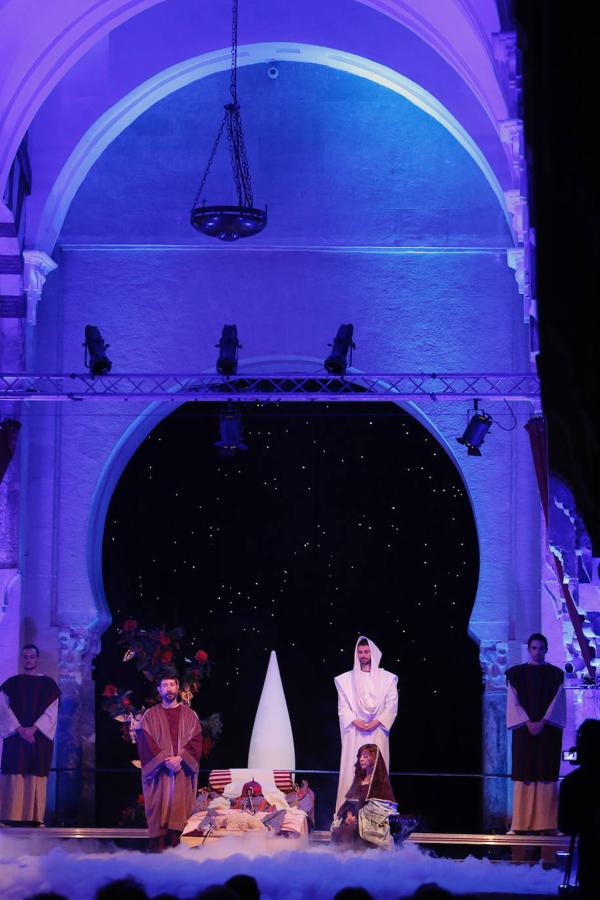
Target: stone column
{"type": "Point", "coordinates": [12, 359]}
{"type": "Point", "coordinates": [75, 740]}
{"type": "Point", "coordinates": [37, 265]}
{"type": "Point", "coordinates": [497, 792]}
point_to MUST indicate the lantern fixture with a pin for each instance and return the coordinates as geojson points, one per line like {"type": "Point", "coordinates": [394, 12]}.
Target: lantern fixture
{"type": "Point", "coordinates": [226, 222]}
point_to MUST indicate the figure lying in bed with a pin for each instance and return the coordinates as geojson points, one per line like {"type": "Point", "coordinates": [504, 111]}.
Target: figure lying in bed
{"type": "Point", "coordinates": [249, 809]}
{"type": "Point", "coordinates": [252, 800]}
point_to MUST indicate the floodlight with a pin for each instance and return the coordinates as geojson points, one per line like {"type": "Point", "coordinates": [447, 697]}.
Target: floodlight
{"type": "Point", "coordinates": [477, 428]}
{"type": "Point", "coordinates": [227, 362]}
{"type": "Point", "coordinates": [95, 358]}
{"type": "Point", "coordinates": [336, 363]}
{"type": "Point", "coordinates": [574, 665]}
{"type": "Point", "coordinates": [231, 430]}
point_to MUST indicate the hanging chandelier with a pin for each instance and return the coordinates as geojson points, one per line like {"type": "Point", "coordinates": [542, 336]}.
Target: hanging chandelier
{"type": "Point", "coordinates": [228, 223]}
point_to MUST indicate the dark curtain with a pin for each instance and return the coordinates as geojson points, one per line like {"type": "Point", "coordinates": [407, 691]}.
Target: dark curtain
{"type": "Point", "coordinates": [9, 432]}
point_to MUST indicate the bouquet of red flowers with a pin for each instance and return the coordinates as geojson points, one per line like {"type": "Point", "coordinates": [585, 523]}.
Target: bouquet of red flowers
{"type": "Point", "coordinates": [153, 650]}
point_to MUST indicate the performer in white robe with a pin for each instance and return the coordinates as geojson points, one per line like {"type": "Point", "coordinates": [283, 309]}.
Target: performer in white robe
{"type": "Point", "coordinates": [367, 707]}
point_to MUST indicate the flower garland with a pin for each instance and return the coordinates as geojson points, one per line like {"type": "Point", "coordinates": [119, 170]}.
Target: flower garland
{"type": "Point", "coordinates": [153, 650]}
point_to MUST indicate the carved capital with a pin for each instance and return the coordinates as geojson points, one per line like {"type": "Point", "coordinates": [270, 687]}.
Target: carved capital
{"type": "Point", "coordinates": [520, 261]}
{"type": "Point", "coordinates": [513, 137]}
{"type": "Point", "coordinates": [493, 658]}
{"type": "Point", "coordinates": [37, 267]}
{"type": "Point", "coordinates": [515, 257]}
{"type": "Point", "coordinates": [508, 55]}
{"type": "Point", "coordinates": [506, 48]}
{"type": "Point", "coordinates": [77, 646]}
{"type": "Point", "coordinates": [516, 205]}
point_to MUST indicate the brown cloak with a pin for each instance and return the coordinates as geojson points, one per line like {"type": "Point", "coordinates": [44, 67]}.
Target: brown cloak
{"type": "Point", "coordinates": [168, 797]}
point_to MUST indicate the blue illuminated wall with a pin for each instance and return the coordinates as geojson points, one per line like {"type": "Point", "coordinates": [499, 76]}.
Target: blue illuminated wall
{"type": "Point", "coordinates": [376, 214]}
{"type": "Point", "coordinates": [339, 159]}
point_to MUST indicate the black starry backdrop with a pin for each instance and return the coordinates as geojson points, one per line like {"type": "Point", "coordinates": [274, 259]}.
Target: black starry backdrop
{"type": "Point", "coordinates": [339, 519]}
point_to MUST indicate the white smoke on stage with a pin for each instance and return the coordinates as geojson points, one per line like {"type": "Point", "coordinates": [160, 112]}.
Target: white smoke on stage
{"type": "Point", "coordinates": [38, 864]}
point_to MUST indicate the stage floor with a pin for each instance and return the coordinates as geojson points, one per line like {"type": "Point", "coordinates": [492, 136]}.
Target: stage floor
{"type": "Point", "coordinates": [558, 843]}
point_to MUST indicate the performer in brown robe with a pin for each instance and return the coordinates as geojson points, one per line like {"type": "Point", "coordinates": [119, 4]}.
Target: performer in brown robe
{"type": "Point", "coordinates": [536, 714]}
{"type": "Point", "coordinates": [371, 782]}
{"type": "Point", "coordinates": [169, 740]}
{"type": "Point", "coordinates": [28, 715]}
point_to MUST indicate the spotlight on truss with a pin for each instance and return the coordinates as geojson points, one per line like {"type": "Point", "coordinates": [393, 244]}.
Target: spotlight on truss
{"type": "Point", "coordinates": [227, 362]}
{"type": "Point", "coordinates": [477, 428]}
{"type": "Point", "coordinates": [343, 344]}
{"type": "Point", "coordinates": [231, 430]}
{"type": "Point", "coordinates": [95, 358]}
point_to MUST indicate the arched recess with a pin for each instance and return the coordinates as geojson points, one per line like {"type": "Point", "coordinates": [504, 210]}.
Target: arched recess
{"type": "Point", "coordinates": [144, 423]}
{"type": "Point", "coordinates": [134, 104]}
{"type": "Point", "coordinates": [460, 33]}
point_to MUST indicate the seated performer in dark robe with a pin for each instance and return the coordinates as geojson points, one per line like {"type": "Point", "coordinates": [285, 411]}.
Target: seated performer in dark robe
{"type": "Point", "coordinates": [369, 801]}
{"type": "Point", "coordinates": [251, 799]}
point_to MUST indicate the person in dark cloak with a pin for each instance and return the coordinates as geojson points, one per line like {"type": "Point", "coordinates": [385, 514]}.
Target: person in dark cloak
{"type": "Point", "coordinates": [536, 715]}
{"type": "Point", "coordinates": [28, 717]}
{"type": "Point", "coordinates": [579, 806]}
{"type": "Point", "coordinates": [370, 791]}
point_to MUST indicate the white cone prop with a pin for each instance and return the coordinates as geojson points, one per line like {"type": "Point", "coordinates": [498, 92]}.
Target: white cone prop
{"type": "Point", "coordinates": [272, 741]}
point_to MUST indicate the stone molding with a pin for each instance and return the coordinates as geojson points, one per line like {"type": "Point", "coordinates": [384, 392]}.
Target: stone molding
{"type": "Point", "coordinates": [516, 205]}
{"type": "Point", "coordinates": [512, 135]}
{"type": "Point", "coordinates": [37, 267]}
{"type": "Point", "coordinates": [508, 55]}
{"type": "Point", "coordinates": [515, 257]}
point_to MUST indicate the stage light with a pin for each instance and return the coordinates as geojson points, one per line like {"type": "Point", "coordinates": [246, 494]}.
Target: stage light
{"type": "Point", "coordinates": [574, 665]}
{"type": "Point", "coordinates": [231, 430]}
{"type": "Point", "coordinates": [477, 428]}
{"type": "Point", "coordinates": [227, 362]}
{"type": "Point", "coordinates": [95, 358]}
{"type": "Point", "coordinates": [336, 363]}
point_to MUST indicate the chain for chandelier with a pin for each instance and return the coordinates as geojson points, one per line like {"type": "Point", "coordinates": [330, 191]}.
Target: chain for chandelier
{"type": "Point", "coordinates": [233, 122]}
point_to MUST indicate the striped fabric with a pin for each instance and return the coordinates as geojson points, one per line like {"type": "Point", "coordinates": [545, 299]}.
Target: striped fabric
{"type": "Point", "coordinates": [220, 778]}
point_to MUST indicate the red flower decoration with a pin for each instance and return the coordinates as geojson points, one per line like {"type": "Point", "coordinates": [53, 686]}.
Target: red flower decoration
{"type": "Point", "coordinates": [110, 690]}
{"type": "Point", "coordinates": [130, 625]}
{"type": "Point", "coordinates": [166, 656]}
{"type": "Point", "coordinates": [201, 655]}
{"type": "Point", "coordinates": [126, 701]}
{"type": "Point", "coordinates": [164, 639]}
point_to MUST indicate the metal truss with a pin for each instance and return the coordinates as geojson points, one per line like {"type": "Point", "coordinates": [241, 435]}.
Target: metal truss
{"type": "Point", "coordinates": [269, 387]}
